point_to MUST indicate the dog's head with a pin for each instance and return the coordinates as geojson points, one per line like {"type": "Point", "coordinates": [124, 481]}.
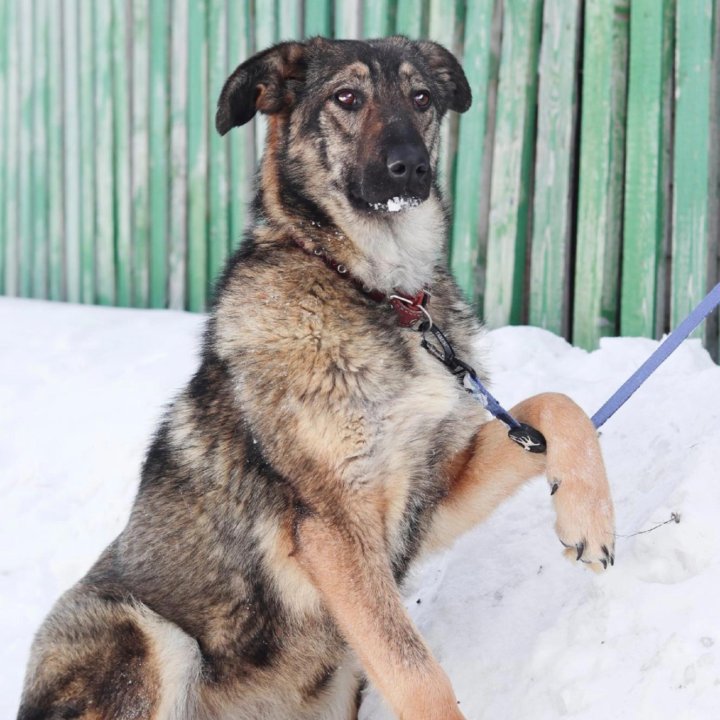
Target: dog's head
{"type": "Point", "coordinates": [353, 125]}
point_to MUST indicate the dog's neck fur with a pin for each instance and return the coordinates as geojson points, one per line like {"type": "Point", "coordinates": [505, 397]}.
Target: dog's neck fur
{"type": "Point", "coordinates": [384, 251]}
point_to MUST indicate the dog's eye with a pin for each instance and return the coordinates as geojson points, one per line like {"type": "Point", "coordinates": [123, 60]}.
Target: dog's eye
{"type": "Point", "coordinates": [347, 99]}
{"type": "Point", "coordinates": [421, 99]}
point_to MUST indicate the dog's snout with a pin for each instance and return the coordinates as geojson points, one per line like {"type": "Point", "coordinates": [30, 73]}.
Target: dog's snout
{"type": "Point", "coordinates": [408, 166]}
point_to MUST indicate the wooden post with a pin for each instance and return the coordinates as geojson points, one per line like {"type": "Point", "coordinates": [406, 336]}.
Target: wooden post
{"type": "Point", "coordinates": [512, 164]}
{"type": "Point", "coordinates": [646, 198]}
{"type": "Point", "coordinates": [601, 172]}
{"type": "Point", "coordinates": [553, 206]}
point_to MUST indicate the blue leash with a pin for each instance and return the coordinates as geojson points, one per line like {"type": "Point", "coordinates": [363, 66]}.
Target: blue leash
{"type": "Point", "coordinates": [671, 342]}
{"type": "Point", "coordinates": [528, 437]}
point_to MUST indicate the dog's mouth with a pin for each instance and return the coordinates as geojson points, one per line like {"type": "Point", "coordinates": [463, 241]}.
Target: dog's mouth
{"type": "Point", "coordinates": [390, 206]}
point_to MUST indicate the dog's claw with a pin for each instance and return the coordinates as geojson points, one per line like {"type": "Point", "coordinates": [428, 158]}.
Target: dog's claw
{"type": "Point", "coordinates": [580, 550]}
{"type": "Point", "coordinates": [608, 555]}
{"type": "Point", "coordinates": [554, 488]}
{"type": "Point", "coordinates": [604, 563]}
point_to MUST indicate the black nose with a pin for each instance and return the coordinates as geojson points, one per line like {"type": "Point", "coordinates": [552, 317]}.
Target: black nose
{"type": "Point", "coordinates": [408, 166]}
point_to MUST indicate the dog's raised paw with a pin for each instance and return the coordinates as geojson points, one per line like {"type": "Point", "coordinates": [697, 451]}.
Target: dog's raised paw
{"type": "Point", "coordinates": [585, 524]}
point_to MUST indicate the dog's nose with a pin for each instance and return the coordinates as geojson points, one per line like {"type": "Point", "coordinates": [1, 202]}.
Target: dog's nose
{"type": "Point", "coordinates": [409, 168]}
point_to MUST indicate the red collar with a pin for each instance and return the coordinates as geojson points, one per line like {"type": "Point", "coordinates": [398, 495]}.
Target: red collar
{"type": "Point", "coordinates": [410, 309]}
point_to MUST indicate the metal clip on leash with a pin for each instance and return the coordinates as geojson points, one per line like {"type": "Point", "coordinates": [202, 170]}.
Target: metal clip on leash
{"type": "Point", "coordinates": [435, 342]}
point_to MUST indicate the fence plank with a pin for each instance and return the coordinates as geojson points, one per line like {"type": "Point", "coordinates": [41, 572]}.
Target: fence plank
{"type": "Point", "coordinates": [507, 239]}
{"type": "Point", "coordinates": [318, 18]}
{"type": "Point", "coordinates": [56, 190]}
{"type": "Point", "coordinates": [87, 133]}
{"type": "Point", "coordinates": [348, 23]}
{"type": "Point", "coordinates": [218, 157]}
{"type": "Point", "coordinates": [72, 148]}
{"type": "Point", "coordinates": [197, 133]}
{"type": "Point", "coordinates": [691, 242]}
{"type": "Point", "coordinates": [25, 177]}
{"type": "Point", "coordinates": [553, 207]}
{"type": "Point", "coordinates": [650, 23]}
{"type": "Point", "coordinates": [289, 15]}
{"type": "Point", "coordinates": [378, 18]}
{"type": "Point", "coordinates": [600, 197]}
{"type": "Point", "coordinates": [122, 153]}
{"type": "Point", "coordinates": [103, 151]}
{"type": "Point", "coordinates": [12, 94]}
{"type": "Point", "coordinates": [714, 165]}
{"type": "Point", "coordinates": [4, 38]}
{"type": "Point", "coordinates": [410, 16]}
{"type": "Point", "coordinates": [239, 144]}
{"type": "Point", "coordinates": [140, 154]}
{"type": "Point", "coordinates": [446, 26]}
{"type": "Point", "coordinates": [39, 152]}
{"type": "Point", "coordinates": [177, 240]}
{"type": "Point", "coordinates": [467, 200]}
{"type": "Point", "coordinates": [158, 169]}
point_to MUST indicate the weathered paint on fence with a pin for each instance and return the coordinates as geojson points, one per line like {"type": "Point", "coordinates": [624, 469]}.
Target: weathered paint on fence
{"type": "Point", "coordinates": [646, 198]}
{"type": "Point", "coordinates": [512, 164]}
{"type": "Point", "coordinates": [601, 171]}
{"type": "Point", "coordinates": [469, 176]}
{"type": "Point", "coordinates": [554, 171]}
{"type": "Point", "coordinates": [691, 178]}
{"type": "Point", "coordinates": [114, 187]}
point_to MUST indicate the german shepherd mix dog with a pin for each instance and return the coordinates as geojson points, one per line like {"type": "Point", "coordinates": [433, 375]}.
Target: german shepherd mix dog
{"type": "Point", "coordinates": [319, 450]}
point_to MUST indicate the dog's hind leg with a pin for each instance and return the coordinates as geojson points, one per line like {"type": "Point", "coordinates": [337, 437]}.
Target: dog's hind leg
{"type": "Point", "coordinates": [100, 659]}
{"type": "Point", "coordinates": [347, 560]}
{"type": "Point", "coordinates": [493, 467]}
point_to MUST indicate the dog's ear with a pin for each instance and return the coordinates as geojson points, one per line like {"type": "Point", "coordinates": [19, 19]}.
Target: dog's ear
{"type": "Point", "coordinates": [267, 82]}
{"type": "Point", "coordinates": [449, 75]}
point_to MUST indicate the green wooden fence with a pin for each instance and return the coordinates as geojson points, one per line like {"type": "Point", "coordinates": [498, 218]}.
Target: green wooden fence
{"type": "Point", "coordinates": [586, 197]}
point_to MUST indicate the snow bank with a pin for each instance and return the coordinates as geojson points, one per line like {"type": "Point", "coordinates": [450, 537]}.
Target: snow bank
{"type": "Point", "coordinates": [522, 633]}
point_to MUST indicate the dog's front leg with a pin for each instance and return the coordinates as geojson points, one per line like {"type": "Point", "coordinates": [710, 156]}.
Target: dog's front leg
{"type": "Point", "coordinates": [493, 467]}
{"type": "Point", "coordinates": [347, 561]}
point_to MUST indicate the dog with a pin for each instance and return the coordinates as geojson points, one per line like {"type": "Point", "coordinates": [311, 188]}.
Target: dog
{"type": "Point", "coordinates": [319, 451]}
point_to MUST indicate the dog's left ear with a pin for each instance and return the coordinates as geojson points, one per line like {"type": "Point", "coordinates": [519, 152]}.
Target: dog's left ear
{"type": "Point", "coordinates": [267, 82]}
{"type": "Point", "coordinates": [449, 74]}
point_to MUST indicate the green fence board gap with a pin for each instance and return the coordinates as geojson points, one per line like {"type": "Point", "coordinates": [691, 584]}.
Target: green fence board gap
{"type": "Point", "coordinates": [73, 145]}
{"type": "Point", "coordinates": [25, 177]}
{"type": "Point", "coordinates": [197, 135]}
{"type": "Point", "coordinates": [159, 162]}
{"type": "Point", "coordinates": [318, 18]}
{"type": "Point", "coordinates": [650, 23]}
{"type": "Point", "coordinates": [218, 155]}
{"type": "Point", "coordinates": [265, 35]}
{"type": "Point", "coordinates": [39, 151]}
{"type": "Point", "coordinates": [468, 183]}
{"type": "Point", "coordinates": [239, 144]}
{"type": "Point", "coordinates": [691, 243]}
{"type": "Point", "coordinates": [513, 148]}
{"type": "Point", "coordinates": [552, 208]}
{"type": "Point", "coordinates": [601, 171]}
{"type": "Point", "coordinates": [122, 153]}
{"type": "Point", "coordinates": [56, 189]}
{"type": "Point", "coordinates": [177, 229]}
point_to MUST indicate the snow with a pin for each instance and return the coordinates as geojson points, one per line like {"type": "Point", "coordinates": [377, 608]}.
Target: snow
{"type": "Point", "coordinates": [522, 633]}
{"type": "Point", "coordinates": [396, 204]}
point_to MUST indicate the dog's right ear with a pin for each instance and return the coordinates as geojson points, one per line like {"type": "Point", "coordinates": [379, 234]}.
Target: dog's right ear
{"type": "Point", "coordinates": [267, 82]}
